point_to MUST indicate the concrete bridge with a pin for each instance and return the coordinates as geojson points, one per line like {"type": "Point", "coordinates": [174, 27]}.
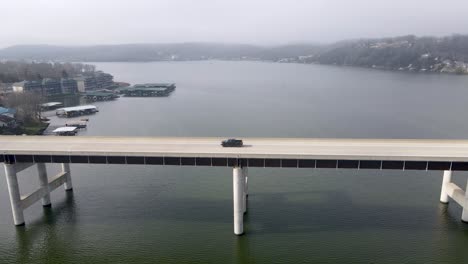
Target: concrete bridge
{"type": "Point", "coordinates": [20, 152]}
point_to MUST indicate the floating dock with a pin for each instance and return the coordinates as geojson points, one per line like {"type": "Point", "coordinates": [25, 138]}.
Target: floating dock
{"type": "Point", "coordinates": [77, 111]}
{"type": "Point", "coordinates": [66, 131]}
{"type": "Point", "coordinates": [100, 96]}
{"type": "Point", "coordinates": [77, 124]}
{"type": "Point", "coordinates": [149, 90]}
{"type": "Point", "coordinates": [51, 106]}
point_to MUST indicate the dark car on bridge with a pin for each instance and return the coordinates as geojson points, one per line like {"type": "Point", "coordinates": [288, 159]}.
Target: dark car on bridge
{"type": "Point", "coordinates": [232, 142]}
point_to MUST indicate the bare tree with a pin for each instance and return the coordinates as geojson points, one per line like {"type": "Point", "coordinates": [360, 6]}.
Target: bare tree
{"type": "Point", "coordinates": [27, 106]}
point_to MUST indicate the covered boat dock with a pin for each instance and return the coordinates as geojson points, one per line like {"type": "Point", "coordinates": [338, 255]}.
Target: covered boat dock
{"type": "Point", "coordinates": [66, 131]}
{"type": "Point", "coordinates": [77, 110]}
{"type": "Point", "coordinates": [149, 90]}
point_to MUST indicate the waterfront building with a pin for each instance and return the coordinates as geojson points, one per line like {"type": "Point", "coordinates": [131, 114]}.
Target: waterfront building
{"type": "Point", "coordinates": [28, 86]}
{"type": "Point", "coordinates": [69, 86]}
{"type": "Point", "coordinates": [85, 83]}
{"type": "Point", "coordinates": [104, 80]}
{"type": "Point", "coordinates": [51, 87]}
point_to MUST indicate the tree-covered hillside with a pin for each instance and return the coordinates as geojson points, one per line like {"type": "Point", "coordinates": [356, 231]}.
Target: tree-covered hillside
{"type": "Point", "coordinates": [448, 54]}
{"type": "Point", "coordinates": [407, 53]}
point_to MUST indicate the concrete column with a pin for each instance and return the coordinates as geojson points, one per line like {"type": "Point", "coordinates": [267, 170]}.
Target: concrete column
{"type": "Point", "coordinates": [246, 173]}
{"type": "Point", "coordinates": [15, 196]}
{"type": "Point", "coordinates": [44, 183]}
{"type": "Point", "coordinates": [465, 206]}
{"type": "Point", "coordinates": [444, 198]}
{"type": "Point", "coordinates": [245, 194]}
{"type": "Point", "coordinates": [238, 193]}
{"type": "Point", "coordinates": [68, 182]}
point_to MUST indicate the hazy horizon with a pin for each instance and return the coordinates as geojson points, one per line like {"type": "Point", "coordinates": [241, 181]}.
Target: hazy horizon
{"type": "Point", "coordinates": [261, 22]}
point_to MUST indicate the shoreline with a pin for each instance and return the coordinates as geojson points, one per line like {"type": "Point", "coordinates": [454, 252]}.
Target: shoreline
{"type": "Point", "coordinates": [291, 62]}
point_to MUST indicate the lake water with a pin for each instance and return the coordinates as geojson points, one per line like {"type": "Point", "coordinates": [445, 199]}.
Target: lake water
{"type": "Point", "coordinates": [155, 214]}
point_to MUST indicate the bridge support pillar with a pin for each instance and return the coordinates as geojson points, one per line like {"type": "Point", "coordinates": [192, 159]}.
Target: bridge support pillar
{"type": "Point", "coordinates": [15, 197]}
{"type": "Point", "coordinates": [68, 181]}
{"type": "Point", "coordinates": [44, 184]}
{"type": "Point", "coordinates": [465, 206]}
{"type": "Point", "coordinates": [245, 182]}
{"type": "Point", "coordinates": [238, 199]}
{"type": "Point", "coordinates": [444, 196]}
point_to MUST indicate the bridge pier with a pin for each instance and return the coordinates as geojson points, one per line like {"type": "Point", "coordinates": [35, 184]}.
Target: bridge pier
{"type": "Point", "coordinates": [245, 182]}
{"type": "Point", "coordinates": [239, 198]}
{"type": "Point", "coordinates": [451, 190]}
{"type": "Point", "coordinates": [465, 206]}
{"type": "Point", "coordinates": [44, 184]}
{"type": "Point", "coordinates": [444, 197]}
{"type": "Point", "coordinates": [18, 202]}
{"type": "Point", "coordinates": [68, 181]}
{"type": "Point", "coordinates": [14, 192]}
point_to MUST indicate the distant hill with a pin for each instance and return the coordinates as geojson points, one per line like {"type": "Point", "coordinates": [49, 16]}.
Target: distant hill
{"type": "Point", "coordinates": [408, 53]}
{"type": "Point", "coordinates": [151, 52]}
{"type": "Point", "coordinates": [405, 53]}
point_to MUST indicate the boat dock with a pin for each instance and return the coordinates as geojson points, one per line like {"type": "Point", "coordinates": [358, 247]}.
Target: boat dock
{"type": "Point", "coordinates": [51, 106]}
{"type": "Point", "coordinates": [77, 111]}
{"type": "Point", "coordinates": [65, 131]}
{"type": "Point", "coordinates": [77, 124]}
{"type": "Point", "coordinates": [100, 96]}
{"type": "Point", "coordinates": [149, 90]}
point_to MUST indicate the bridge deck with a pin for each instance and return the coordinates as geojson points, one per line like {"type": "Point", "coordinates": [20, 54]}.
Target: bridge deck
{"type": "Point", "coordinates": [257, 152]}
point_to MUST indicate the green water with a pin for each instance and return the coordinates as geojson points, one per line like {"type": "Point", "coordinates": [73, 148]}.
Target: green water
{"type": "Point", "coordinates": [156, 214]}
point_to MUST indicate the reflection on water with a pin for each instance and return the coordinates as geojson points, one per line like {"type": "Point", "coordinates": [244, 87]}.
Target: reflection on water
{"type": "Point", "coordinates": [45, 231]}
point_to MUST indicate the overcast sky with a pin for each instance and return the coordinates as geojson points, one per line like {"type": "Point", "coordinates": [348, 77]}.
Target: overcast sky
{"type": "Point", "coordinates": [265, 22]}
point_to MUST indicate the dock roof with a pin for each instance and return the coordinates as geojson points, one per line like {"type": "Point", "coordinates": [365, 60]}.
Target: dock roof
{"type": "Point", "coordinates": [157, 89]}
{"type": "Point", "coordinates": [154, 85]}
{"type": "Point", "coordinates": [65, 129]}
{"type": "Point", "coordinates": [51, 104]}
{"type": "Point", "coordinates": [77, 108]}
{"type": "Point", "coordinates": [100, 93]}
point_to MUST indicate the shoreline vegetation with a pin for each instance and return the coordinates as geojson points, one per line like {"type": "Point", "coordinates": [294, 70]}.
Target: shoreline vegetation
{"type": "Point", "coordinates": [405, 53]}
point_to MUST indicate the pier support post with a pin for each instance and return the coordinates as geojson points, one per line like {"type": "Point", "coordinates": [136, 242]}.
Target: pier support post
{"type": "Point", "coordinates": [465, 206]}
{"type": "Point", "coordinates": [245, 190]}
{"type": "Point", "coordinates": [444, 197]}
{"type": "Point", "coordinates": [68, 182]}
{"type": "Point", "coordinates": [44, 183]}
{"type": "Point", "coordinates": [15, 197]}
{"type": "Point", "coordinates": [238, 194]}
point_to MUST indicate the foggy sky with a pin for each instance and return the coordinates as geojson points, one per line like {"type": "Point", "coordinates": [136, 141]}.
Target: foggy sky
{"type": "Point", "coordinates": [264, 22]}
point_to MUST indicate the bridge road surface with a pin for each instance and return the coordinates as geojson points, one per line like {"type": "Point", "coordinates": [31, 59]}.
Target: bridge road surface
{"type": "Point", "coordinates": [263, 148]}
